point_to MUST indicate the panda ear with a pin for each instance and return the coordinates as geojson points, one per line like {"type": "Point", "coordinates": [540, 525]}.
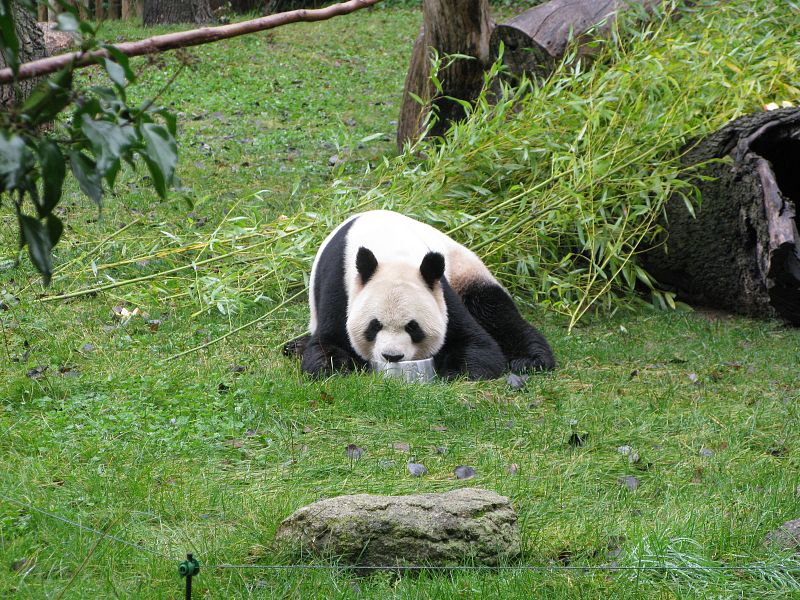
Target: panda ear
{"type": "Point", "coordinates": [432, 268]}
{"type": "Point", "coordinates": [366, 263]}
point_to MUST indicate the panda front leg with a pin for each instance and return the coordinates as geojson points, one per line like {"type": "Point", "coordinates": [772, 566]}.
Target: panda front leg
{"type": "Point", "coordinates": [523, 345]}
{"type": "Point", "coordinates": [468, 349]}
{"type": "Point", "coordinates": [322, 358]}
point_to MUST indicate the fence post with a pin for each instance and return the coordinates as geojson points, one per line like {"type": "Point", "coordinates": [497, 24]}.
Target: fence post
{"type": "Point", "coordinates": [188, 569]}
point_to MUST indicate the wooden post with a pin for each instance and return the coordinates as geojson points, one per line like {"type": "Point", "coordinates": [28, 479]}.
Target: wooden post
{"type": "Point", "coordinates": [131, 9]}
{"type": "Point", "coordinates": [99, 10]}
{"type": "Point", "coordinates": [113, 9]}
{"type": "Point", "coordinates": [41, 12]}
{"type": "Point", "coordinates": [52, 12]}
{"type": "Point", "coordinates": [83, 7]}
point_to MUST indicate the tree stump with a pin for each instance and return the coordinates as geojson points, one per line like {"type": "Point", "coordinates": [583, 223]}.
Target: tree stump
{"type": "Point", "coordinates": [742, 251]}
{"type": "Point", "coordinates": [536, 40]}
{"type": "Point", "coordinates": [31, 47]}
{"type": "Point", "coordinates": [450, 27]}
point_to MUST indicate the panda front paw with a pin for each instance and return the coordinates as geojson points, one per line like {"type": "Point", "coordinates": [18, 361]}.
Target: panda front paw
{"type": "Point", "coordinates": [322, 360]}
{"type": "Point", "coordinates": [296, 347]}
{"type": "Point", "coordinates": [543, 362]}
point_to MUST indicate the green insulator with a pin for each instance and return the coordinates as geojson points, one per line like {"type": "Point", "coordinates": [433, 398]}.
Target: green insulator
{"type": "Point", "coordinates": [190, 567]}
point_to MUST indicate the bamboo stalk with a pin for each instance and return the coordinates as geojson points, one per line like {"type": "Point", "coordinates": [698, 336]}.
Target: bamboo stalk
{"type": "Point", "coordinates": [237, 329]}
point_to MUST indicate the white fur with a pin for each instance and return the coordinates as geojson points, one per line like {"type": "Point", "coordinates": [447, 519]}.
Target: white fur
{"type": "Point", "coordinates": [396, 293]}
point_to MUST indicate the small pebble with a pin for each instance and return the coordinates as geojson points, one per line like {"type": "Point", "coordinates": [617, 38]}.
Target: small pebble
{"type": "Point", "coordinates": [630, 482]}
{"type": "Point", "coordinates": [354, 452]}
{"type": "Point", "coordinates": [517, 382]}
{"type": "Point", "coordinates": [417, 469]}
{"type": "Point", "coordinates": [706, 452]}
{"type": "Point", "coordinates": [464, 472]}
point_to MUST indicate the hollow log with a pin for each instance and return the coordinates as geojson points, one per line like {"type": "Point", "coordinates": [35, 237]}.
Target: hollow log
{"type": "Point", "coordinates": [536, 40]}
{"type": "Point", "coordinates": [742, 251]}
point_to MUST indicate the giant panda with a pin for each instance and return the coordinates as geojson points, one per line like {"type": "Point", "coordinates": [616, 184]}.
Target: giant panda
{"type": "Point", "coordinates": [387, 288]}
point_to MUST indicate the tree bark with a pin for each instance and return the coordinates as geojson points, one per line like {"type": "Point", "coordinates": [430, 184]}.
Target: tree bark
{"type": "Point", "coordinates": [157, 12]}
{"type": "Point", "coordinates": [243, 6]}
{"type": "Point", "coordinates": [449, 27]}
{"type": "Point", "coordinates": [535, 41]}
{"type": "Point", "coordinates": [31, 47]}
{"type": "Point", "coordinates": [131, 9]}
{"type": "Point", "coordinates": [742, 252]}
{"type": "Point", "coordinates": [114, 9]}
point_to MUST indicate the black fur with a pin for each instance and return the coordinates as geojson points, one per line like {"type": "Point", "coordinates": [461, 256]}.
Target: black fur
{"type": "Point", "coordinates": [523, 346]}
{"type": "Point", "coordinates": [432, 268]}
{"type": "Point", "coordinates": [366, 264]}
{"type": "Point", "coordinates": [468, 349]}
{"type": "Point", "coordinates": [415, 331]}
{"type": "Point", "coordinates": [297, 346]}
{"type": "Point", "coordinates": [372, 330]}
{"type": "Point", "coordinates": [329, 348]}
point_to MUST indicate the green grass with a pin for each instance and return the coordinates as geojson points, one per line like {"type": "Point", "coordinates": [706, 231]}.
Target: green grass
{"type": "Point", "coordinates": [208, 452]}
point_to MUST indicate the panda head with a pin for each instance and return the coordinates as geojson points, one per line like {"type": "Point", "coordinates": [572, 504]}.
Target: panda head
{"type": "Point", "coordinates": [397, 310]}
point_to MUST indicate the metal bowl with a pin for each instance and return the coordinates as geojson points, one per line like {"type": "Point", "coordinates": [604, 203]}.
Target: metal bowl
{"type": "Point", "coordinates": [412, 371]}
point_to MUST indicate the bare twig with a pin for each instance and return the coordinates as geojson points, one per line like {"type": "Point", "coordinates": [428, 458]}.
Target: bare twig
{"type": "Point", "coordinates": [183, 39]}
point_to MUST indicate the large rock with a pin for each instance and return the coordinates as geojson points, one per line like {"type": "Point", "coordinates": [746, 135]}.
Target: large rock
{"type": "Point", "coordinates": [785, 537]}
{"type": "Point", "coordinates": [463, 527]}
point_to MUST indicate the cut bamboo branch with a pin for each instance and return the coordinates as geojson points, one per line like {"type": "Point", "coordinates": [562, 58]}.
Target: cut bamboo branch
{"type": "Point", "coordinates": [184, 39]}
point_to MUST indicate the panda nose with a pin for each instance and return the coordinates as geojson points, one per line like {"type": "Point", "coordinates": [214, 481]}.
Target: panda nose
{"type": "Point", "coordinates": [392, 357]}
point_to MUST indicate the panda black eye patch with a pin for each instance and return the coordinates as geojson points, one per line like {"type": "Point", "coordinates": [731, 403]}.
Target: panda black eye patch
{"type": "Point", "coordinates": [415, 331]}
{"type": "Point", "coordinates": [372, 330]}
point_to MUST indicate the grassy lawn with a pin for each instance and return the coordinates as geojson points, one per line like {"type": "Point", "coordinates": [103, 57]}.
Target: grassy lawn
{"type": "Point", "coordinates": [208, 452]}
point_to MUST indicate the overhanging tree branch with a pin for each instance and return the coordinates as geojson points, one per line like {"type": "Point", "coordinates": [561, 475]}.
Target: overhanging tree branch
{"type": "Point", "coordinates": [183, 39]}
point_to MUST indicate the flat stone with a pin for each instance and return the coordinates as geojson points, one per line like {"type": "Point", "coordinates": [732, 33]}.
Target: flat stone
{"type": "Point", "coordinates": [785, 537]}
{"type": "Point", "coordinates": [466, 526]}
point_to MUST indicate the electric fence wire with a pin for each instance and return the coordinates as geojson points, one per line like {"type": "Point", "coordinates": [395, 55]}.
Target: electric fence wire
{"type": "Point", "coordinates": [744, 568]}
{"type": "Point", "coordinates": [83, 527]}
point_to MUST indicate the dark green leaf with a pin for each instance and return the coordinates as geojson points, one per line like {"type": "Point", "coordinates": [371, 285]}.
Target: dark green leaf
{"type": "Point", "coordinates": [9, 35]}
{"type": "Point", "coordinates": [49, 98]}
{"type": "Point", "coordinates": [157, 176]}
{"type": "Point", "coordinates": [86, 28]}
{"type": "Point", "coordinates": [115, 72]}
{"type": "Point", "coordinates": [85, 172]}
{"type": "Point", "coordinates": [172, 122]}
{"type": "Point", "coordinates": [54, 229]}
{"type": "Point", "coordinates": [111, 173]}
{"type": "Point", "coordinates": [39, 245]}
{"type": "Point", "coordinates": [122, 61]}
{"type": "Point", "coordinates": [53, 169]}
{"type": "Point", "coordinates": [15, 161]}
{"type": "Point", "coordinates": [109, 142]}
{"type": "Point", "coordinates": [161, 155]}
